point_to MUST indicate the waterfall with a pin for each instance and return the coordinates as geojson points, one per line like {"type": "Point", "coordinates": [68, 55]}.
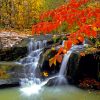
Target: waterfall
{"type": "Point", "coordinates": [64, 66]}
{"type": "Point", "coordinates": [30, 62]}
{"type": "Point", "coordinates": [30, 45]}
{"type": "Point", "coordinates": [31, 84]}
{"type": "Point", "coordinates": [64, 62]}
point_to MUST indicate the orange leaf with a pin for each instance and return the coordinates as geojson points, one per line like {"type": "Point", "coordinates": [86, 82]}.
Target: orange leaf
{"type": "Point", "coordinates": [52, 61]}
{"type": "Point", "coordinates": [68, 44]}
{"type": "Point", "coordinates": [82, 54]}
{"type": "Point", "coordinates": [59, 58]}
{"type": "Point", "coordinates": [60, 50]}
{"type": "Point", "coordinates": [81, 39]}
{"type": "Point", "coordinates": [64, 51]}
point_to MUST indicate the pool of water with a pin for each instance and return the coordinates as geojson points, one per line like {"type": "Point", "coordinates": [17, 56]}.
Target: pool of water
{"type": "Point", "coordinates": [49, 93]}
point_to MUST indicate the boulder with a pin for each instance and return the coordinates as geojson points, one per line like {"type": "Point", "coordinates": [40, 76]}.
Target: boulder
{"type": "Point", "coordinates": [56, 81]}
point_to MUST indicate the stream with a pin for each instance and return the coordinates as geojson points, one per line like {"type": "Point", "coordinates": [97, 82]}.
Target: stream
{"type": "Point", "coordinates": [33, 89]}
{"type": "Point", "coordinates": [50, 93]}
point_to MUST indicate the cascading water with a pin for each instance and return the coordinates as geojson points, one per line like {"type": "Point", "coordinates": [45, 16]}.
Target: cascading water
{"type": "Point", "coordinates": [64, 62]}
{"type": "Point", "coordinates": [66, 58]}
{"type": "Point", "coordinates": [64, 66]}
{"type": "Point", "coordinates": [30, 63]}
{"type": "Point", "coordinates": [32, 85]}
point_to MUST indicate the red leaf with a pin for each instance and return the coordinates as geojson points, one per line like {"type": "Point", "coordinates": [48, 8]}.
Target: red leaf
{"type": "Point", "coordinates": [68, 44]}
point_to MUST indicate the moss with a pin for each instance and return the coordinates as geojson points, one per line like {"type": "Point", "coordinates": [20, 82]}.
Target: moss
{"type": "Point", "coordinates": [4, 74]}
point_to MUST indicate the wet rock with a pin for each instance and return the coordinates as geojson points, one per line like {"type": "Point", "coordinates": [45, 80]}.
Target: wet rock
{"type": "Point", "coordinates": [20, 50]}
{"type": "Point", "coordinates": [44, 66]}
{"type": "Point", "coordinates": [10, 73]}
{"type": "Point", "coordinates": [9, 48]}
{"type": "Point", "coordinates": [84, 64]}
{"type": "Point", "coordinates": [57, 81]}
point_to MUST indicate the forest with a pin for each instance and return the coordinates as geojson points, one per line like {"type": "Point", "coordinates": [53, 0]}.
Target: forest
{"type": "Point", "coordinates": [21, 14]}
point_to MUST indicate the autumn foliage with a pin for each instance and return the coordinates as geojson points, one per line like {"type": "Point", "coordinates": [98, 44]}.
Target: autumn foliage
{"type": "Point", "coordinates": [89, 83]}
{"type": "Point", "coordinates": [74, 13]}
{"type": "Point", "coordinates": [20, 14]}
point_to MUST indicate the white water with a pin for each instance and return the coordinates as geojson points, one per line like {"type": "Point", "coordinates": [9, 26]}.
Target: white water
{"type": "Point", "coordinates": [64, 65]}
{"type": "Point", "coordinates": [31, 84]}
{"type": "Point", "coordinates": [34, 88]}
{"type": "Point", "coordinates": [31, 61]}
{"type": "Point", "coordinates": [64, 62]}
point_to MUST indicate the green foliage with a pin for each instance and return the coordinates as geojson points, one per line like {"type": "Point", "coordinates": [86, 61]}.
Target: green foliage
{"type": "Point", "coordinates": [97, 44]}
{"type": "Point", "coordinates": [52, 4]}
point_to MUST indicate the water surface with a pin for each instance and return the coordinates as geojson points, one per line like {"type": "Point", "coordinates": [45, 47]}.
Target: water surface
{"type": "Point", "coordinates": [50, 93]}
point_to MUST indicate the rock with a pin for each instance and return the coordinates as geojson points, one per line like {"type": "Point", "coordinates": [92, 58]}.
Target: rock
{"type": "Point", "coordinates": [13, 54]}
{"type": "Point", "coordinates": [9, 48]}
{"type": "Point", "coordinates": [47, 53]}
{"type": "Point", "coordinates": [56, 81]}
{"type": "Point", "coordinates": [9, 39]}
{"type": "Point", "coordinates": [44, 66]}
{"type": "Point", "coordinates": [10, 73]}
{"type": "Point", "coordinates": [84, 64]}
{"type": "Point", "coordinates": [20, 50]}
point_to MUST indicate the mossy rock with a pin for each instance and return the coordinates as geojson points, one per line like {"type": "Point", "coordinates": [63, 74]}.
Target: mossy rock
{"type": "Point", "coordinates": [44, 66]}
{"type": "Point", "coordinates": [10, 73]}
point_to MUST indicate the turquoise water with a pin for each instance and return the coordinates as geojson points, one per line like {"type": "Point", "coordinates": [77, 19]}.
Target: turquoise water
{"type": "Point", "coordinates": [50, 93]}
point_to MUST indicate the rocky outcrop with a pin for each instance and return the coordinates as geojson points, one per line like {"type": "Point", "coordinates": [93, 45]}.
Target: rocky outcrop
{"type": "Point", "coordinates": [13, 54]}
{"type": "Point", "coordinates": [10, 73]}
{"type": "Point", "coordinates": [9, 39]}
{"type": "Point", "coordinates": [84, 64]}
{"type": "Point", "coordinates": [44, 67]}
{"type": "Point", "coordinates": [9, 46]}
{"type": "Point", "coordinates": [20, 49]}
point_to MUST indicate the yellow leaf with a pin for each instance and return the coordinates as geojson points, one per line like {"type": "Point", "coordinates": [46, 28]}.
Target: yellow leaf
{"type": "Point", "coordinates": [45, 74]}
{"type": "Point", "coordinates": [52, 48]}
{"type": "Point", "coordinates": [94, 28]}
{"type": "Point", "coordinates": [52, 61]}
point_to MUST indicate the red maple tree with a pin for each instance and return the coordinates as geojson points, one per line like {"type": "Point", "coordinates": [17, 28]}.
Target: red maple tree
{"type": "Point", "coordinates": [87, 19]}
